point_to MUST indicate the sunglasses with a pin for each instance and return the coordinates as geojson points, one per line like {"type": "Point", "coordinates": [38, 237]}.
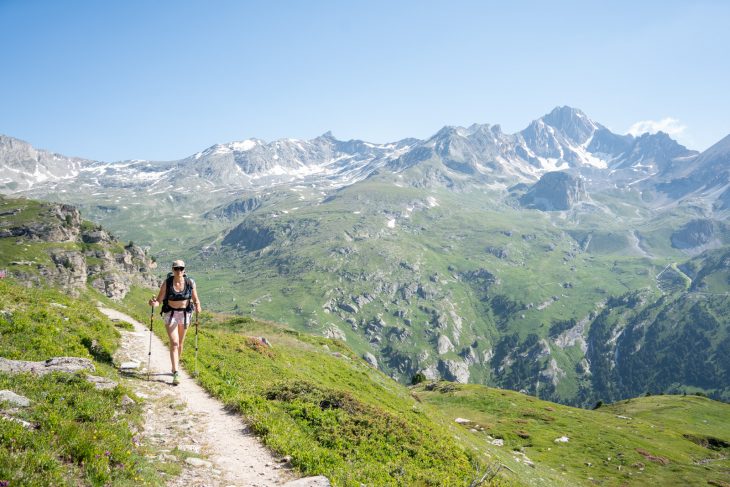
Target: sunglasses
{"type": "Point", "coordinates": [178, 268]}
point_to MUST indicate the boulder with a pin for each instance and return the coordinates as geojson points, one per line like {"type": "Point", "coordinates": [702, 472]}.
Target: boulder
{"type": "Point", "coordinates": [350, 308]}
{"type": "Point", "coordinates": [444, 345]}
{"type": "Point", "coordinates": [14, 399]}
{"type": "Point", "coordinates": [370, 359]}
{"type": "Point", "coordinates": [68, 365]}
{"type": "Point", "coordinates": [56, 364]}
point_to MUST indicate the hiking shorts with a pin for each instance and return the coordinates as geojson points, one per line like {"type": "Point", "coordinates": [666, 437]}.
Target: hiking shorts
{"type": "Point", "coordinates": [177, 318]}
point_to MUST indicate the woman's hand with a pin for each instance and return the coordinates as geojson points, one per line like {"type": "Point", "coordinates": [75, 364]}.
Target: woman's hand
{"type": "Point", "coordinates": [153, 302]}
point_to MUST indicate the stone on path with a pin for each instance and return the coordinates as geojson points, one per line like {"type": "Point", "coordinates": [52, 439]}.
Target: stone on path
{"type": "Point", "coordinates": [318, 481]}
{"type": "Point", "coordinates": [198, 462]}
{"type": "Point", "coordinates": [132, 364]}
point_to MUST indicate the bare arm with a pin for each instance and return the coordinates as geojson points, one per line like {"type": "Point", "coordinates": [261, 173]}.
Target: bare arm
{"type": "Point", "coordinates": [160, 296]}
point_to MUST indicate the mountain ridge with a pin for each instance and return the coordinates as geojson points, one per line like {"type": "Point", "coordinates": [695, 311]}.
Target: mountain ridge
{"type": "Point", "coordinates": [564, 139]}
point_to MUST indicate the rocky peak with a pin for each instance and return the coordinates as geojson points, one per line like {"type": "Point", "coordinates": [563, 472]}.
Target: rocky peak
{"type": "Point", "coordinates": [23, 166]}
{"type": "Point", "coordinates": [572, 123]}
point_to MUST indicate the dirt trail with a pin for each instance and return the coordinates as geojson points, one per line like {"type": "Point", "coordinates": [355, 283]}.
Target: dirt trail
{"type": "Point", "coordinates": [188, 419]}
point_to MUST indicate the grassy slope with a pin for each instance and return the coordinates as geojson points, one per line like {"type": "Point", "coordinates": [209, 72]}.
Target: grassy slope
{"type": "Point", "coordinates": [311, 398]}
{"type": "Point", "coordinates": [304, 396]}
{"type": "Point", "coordinates": [81, 436]}
{"type": "Point", "coordinates": [603, 445]}
{"type": "Point", "coordinates": [342, 246]}
{"type": "Point", "coordinates": [298, 275]}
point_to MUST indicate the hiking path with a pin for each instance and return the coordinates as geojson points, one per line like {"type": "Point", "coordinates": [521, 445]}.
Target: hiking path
{"type": "Point", "coordinates": [190, 427]}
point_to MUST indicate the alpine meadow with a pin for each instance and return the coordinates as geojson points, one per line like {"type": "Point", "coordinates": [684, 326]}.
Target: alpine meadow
{"type": "Point", "coordinates": [545, 307]}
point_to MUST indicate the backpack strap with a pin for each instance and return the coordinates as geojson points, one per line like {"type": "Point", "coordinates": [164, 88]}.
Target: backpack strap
{"type": "Point", "coordinates": [168, 290]}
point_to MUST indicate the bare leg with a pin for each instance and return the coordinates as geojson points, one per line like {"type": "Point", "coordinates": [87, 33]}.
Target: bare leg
{"type": "Point", "coordinates": [172, 333]}
{"type": "Point", "coordinates": [181, 330]}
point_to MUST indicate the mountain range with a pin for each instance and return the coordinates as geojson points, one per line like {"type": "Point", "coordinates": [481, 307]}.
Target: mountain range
{"type": "Point", "coordinates": [563, 260]}
{"type": "Point", "coordinates": [563, 140]}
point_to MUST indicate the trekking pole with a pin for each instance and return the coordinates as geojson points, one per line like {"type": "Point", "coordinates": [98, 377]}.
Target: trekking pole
{"type": "Point", "coordinates": [149, 354]}
{"type": "Point", "coordinates": [195, 373]}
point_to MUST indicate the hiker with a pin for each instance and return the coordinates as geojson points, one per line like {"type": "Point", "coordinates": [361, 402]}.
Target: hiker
{"type": "Point", "coordinates": [179, 298]}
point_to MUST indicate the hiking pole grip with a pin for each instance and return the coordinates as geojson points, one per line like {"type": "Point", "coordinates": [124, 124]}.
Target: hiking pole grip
{"type": "Point", "coordinates": [149, 353]}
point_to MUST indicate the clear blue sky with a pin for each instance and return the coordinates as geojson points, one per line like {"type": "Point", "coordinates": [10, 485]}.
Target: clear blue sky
{"type": "Point", "coordinates": [164, 79]}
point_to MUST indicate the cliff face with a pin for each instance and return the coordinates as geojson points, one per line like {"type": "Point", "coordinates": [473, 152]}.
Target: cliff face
{"type": "Point", "coordinates": [555, 191]}
{"type": "Point", "coordinates": [47, 243]}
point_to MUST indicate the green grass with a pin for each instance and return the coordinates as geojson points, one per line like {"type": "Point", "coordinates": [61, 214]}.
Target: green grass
{"type": "Point", "coordinates": [313, 399]}
{"type": "Point", "coordinates": [330, 251]}
{"type": "Point", "coordinates": [552, 266]}
{"type": "Point", "coordinates": [79, 436]}
{"type": "Point", "coordinates": [602, 448]}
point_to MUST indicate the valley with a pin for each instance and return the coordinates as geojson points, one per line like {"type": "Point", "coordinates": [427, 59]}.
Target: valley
{"type": "Point", "coordinates": [459, 257]}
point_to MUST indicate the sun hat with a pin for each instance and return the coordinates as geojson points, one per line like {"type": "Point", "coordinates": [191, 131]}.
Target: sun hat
{"type": "Point", "coordinates": [178, 263]}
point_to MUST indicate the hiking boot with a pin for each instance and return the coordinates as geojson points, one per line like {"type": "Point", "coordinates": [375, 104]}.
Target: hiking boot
{"type": "Point", "coordinates": [175, 378]}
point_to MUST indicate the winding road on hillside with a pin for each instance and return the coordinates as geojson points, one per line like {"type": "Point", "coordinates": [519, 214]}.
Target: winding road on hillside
{"type": "Point", "coordinates": [191, 428]}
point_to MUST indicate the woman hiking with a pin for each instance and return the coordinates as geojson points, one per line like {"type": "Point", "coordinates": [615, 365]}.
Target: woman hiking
{"type": "Point", "coordinates": [179, 298]}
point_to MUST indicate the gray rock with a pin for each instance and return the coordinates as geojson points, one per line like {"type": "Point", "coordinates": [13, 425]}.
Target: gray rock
{"type": "Point", "coordinates": [198, 462]}
{"type": "Point", "coordinates": [318, 481]}
{"type": "Point", "coordinates": [350, 308]}
{"type": "Point", "coordinates": [56, 364]}
{"type": "Point", "coordinates": [95, 236]}
{"type": "Point", "coordinates": [444, 345]}
{"type": "Point", "coordinates": [101, 383]}
{"type": "Point", "coordinates": [14, 399]}
{"type": "Point", "coordinates": [332, 331]}
{"type": "Point", "coordinates": [694, 234]}
{"type": "Point", "coordinates": [430, 372]}
{"type": "Point", "coordinates": [363, 300]}
{"type": "Point", "coordinates": [370, 359]}
{"type": "Point", "coordinates": [454, 370]}
{"type": "Point", "coordinates": [554, 191]}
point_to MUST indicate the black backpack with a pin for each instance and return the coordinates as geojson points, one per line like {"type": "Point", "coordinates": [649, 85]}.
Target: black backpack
{"type": "Point", "coordinates": [187, 293]}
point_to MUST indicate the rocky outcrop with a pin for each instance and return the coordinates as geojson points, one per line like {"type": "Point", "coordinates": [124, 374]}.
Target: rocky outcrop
{"type": "Point", "coordinates": [249, 237]}
{"type": "Point", "coordinates": [236, 209]}
{"type": "Point", "coordinates": [84, 254]}
{"type": "Point", "coordinates": [555, 191]}
{"type": "Point", "coordinates": [58, 223]}
{"type": "Point", "coordinates": [444, 345]}
{"type": "Point", "coordinates": [694, 234]}
{"type": "Point", "coordinates": [370, 359]}
{"type": "Point", "coordinates": [69, 365]}
{"type": "Point", "coordinates": [552, 372]}
{"type": "Point", "coordinates": [454, 370]}
{"type": "Point", "coordinates": [333, 332]}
